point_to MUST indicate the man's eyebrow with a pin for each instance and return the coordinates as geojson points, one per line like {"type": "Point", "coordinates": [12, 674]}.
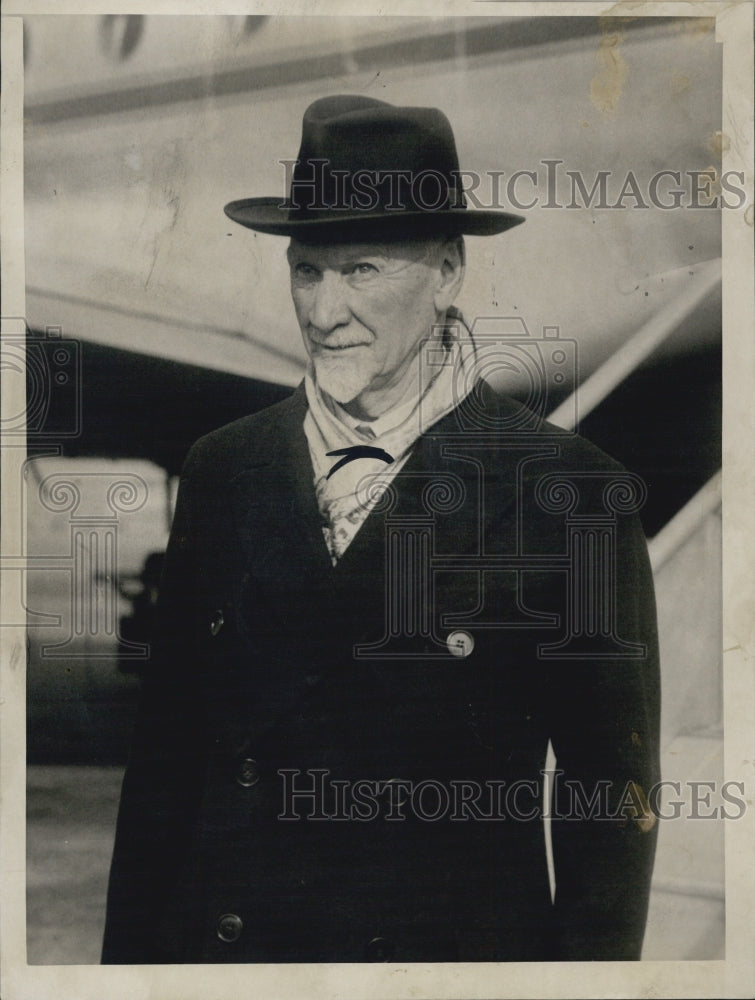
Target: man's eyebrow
{"type": "Point", "coordinates": [295, 256]}
{"type": "Point", "coordinates": [360, 250]}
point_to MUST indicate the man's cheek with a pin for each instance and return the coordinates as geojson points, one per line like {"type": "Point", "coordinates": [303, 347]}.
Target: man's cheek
{"type": "Point", "coordinates": [301, 304]}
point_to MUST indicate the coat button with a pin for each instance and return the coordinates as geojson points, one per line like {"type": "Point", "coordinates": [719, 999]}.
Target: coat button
{"type": "Point", "coordinates": [460, 643]}
{"type": "Point", "coordinates": [230, 927]}
{"type": "Point", "coordinates": [379, 949]}
{"type": "Point", "coordinates": [216, 623]}
{"type": "Point", "coordinates": [248, 773]}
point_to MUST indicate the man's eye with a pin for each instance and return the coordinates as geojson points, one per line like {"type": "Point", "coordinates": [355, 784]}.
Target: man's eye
{"type": "Point", "coordinates": [305, 271]}
{"type": "Point", "coordinates": [363, 270]}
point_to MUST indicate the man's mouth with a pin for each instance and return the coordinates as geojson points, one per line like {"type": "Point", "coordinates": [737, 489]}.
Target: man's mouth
{"type": "Point", "coordinates": [335, 348]}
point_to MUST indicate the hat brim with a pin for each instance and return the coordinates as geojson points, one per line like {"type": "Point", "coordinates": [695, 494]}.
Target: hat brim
{"type": "Point", "coordinates": [269, 215]}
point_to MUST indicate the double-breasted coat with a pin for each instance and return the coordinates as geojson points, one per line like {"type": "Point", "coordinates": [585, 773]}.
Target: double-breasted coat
{"type": "Point", "coordinates": [344, 763]}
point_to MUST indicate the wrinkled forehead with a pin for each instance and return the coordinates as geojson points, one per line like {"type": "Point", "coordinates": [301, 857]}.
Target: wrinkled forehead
{"type": "Point", "coordinates": [336, 254]}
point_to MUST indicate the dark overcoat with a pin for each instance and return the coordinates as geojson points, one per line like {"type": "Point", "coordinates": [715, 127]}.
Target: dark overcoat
{"type": "Point", "coordinates": [340, 764]}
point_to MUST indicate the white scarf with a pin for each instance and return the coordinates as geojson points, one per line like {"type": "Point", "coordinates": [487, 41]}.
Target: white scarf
{"type": "Point", "coordinates": [347, 497]}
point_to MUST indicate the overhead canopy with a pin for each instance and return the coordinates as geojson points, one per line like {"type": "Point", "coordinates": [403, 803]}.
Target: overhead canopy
{"type": "Point", "coordinates": [128, 169]}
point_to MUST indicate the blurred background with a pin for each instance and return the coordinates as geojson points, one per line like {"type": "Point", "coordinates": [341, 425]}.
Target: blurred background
{"type": "Point", "coordinates": [151, 320]}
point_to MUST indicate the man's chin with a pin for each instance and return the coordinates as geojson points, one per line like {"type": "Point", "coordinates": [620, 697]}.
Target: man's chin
{"type": "Point", "coordinates": [340, 379]}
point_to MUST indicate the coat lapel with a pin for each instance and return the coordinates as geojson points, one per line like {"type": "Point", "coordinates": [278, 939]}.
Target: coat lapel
{"type": "Point", "coordinates": [451, 455]}
{"type": "Point", "coordinates": [273, 502]}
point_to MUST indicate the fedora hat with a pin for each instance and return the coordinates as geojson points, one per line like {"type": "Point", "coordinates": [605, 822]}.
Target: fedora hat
{"type": "Point", "coordinates": [369, 168]}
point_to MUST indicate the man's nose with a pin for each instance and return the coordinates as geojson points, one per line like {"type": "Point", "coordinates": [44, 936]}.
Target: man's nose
{"type": "Point", "coordinates": [329, 307]}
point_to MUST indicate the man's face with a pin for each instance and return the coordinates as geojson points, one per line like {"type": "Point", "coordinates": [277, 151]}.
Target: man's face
{"type": "Point", "coordinates": [363, 309]}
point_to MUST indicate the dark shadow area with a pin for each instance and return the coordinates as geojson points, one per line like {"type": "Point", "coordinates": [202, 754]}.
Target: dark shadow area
{"type": "Point", "coordinates": [85, 726]}
{"type": "Point", "coordinates": [119, 404]}
{"type": "Point", "coordinates": [664, 423]}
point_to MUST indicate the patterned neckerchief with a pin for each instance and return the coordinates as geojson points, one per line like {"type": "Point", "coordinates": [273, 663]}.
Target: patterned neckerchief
{"type": "Point", "coordinates": [347, 497]}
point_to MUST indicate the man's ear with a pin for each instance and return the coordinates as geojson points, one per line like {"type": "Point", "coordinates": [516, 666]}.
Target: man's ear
{"type": "Point", "coordinates": [452, 254]}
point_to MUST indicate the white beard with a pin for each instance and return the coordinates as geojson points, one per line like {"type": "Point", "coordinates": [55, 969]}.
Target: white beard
{"type": "Point", "coordinates": [343, 378]}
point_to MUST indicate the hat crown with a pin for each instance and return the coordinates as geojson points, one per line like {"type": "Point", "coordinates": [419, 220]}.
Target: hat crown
{"type": "Point", "coordinates": [407, 156]}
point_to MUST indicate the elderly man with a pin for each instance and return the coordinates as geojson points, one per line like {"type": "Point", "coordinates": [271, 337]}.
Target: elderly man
{"type": "Point", "coordinates": [382, 599]}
